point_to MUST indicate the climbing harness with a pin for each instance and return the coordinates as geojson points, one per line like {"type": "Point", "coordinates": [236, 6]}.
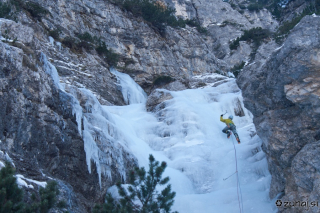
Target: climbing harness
{"type": "Point", "coordinates": [240, 201]}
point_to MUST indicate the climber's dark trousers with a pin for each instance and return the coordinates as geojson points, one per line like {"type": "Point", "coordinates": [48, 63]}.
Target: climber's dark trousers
{"type": "Point", "coordinates": [232, 128]}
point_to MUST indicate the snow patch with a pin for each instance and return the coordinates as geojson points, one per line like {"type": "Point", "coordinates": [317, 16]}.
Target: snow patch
{"type": "Point", "coordinates": [6, 157]}
{"type": "Point", "coordinates": [21, 178]}
{"type": "Point", "coordinates": [283, 3]}
{"type": "Point", "coordinates": [230, 74]}
{"type": "Point", "coordinates": [278, 48]}
{"type": "Point", "coordinates": [67, 64]}
{"type": "Point", "coordinates": [1, 164]}
{"type": "Point", "coordinates": [21, 183]}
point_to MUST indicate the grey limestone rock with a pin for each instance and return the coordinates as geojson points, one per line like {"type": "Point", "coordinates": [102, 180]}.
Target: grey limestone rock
{"type": "Point", "coordinates": [156, 100]}
{"type": "Point", "coordinates": [183, 52]}
{"type": "Point", "coordinates": [225, 24]}
{"type": "Point", "coordinates": [38, 128]}
{"type": "Point", "coordinates": [176, 86]}
{"type": "Point", "coordinates": [283, 95]}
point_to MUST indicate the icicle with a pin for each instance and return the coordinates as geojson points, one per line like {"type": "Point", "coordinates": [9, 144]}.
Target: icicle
{"type": "Point", "coordinates": [51, 70]}
{"type": "Point", "coordinates": [91, 149]}
{"type": "Point", "coordinates": [88, 107]}
{"type": "Point", "coordinates": [77, 111]}
{"type": "Point", "coordinates": [59, 45]}
{"type": "Point", "coordinates": [51, 40]}
{"type": "Point", "coordinates": [131, 91]}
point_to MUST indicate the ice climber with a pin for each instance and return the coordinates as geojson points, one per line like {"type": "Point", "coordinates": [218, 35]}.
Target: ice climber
{"type": "Point", "coordinates": [230, 127]}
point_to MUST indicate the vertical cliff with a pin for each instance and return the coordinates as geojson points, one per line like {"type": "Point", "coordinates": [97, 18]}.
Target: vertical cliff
{"type": "Point", "coordinates": [40, 124]}
{"type": "Point", "coordinates": [283, 96]}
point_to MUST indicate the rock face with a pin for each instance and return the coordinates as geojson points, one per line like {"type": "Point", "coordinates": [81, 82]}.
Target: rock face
{"type": "Point", "coordinates": [156, 99]}
{"type": "Point", "coordinates": [38, 126]}
{"type": "Point", "coordinates": [145, 54]}
{"type": "Point", "coordinates": [224, 24]}
{"type": "Point", "coordinates": [182, 52]}
{"type": "Point", "coordinates": [283, 96]}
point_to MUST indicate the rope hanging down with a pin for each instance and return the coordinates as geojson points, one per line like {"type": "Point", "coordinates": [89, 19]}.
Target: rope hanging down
{"type": "Point", "coordinates": [238, 182]}
{"type": "Point", "coordinates": [240, 201]}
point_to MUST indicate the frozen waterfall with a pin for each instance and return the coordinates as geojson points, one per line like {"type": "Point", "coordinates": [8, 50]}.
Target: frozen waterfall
{"type": "Point", "coordinates": [186, 133]}
{"type": "Point", "coordinates": [131, 91]}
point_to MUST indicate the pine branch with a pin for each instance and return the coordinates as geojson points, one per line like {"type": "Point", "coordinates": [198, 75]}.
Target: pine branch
{"type": "Point", "coordinates": [143, 189]}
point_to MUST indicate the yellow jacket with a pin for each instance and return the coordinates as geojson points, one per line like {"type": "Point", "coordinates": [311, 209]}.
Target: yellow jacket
{"type": "Point", "coordinates": [226, 121]}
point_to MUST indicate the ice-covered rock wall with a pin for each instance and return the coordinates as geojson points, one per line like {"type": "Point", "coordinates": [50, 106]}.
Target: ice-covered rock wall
{"type": "Point", "coordinates": [48, 128]}
{"type": "Point", "coordinates": [100, 135]}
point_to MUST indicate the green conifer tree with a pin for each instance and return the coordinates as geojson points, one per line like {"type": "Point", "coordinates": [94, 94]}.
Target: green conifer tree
{"type": "Point", "coordinates": [142, 196]}
{"type": "Point", "coordinates": [10, 194]}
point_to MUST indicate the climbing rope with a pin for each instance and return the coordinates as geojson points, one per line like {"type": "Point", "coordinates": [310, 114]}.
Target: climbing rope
{"type": "Point", "coordinates": [240, 201]}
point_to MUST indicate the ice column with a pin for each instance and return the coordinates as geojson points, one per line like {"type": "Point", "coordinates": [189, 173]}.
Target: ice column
{"type": "Point", "coordinates": [131, 91]}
